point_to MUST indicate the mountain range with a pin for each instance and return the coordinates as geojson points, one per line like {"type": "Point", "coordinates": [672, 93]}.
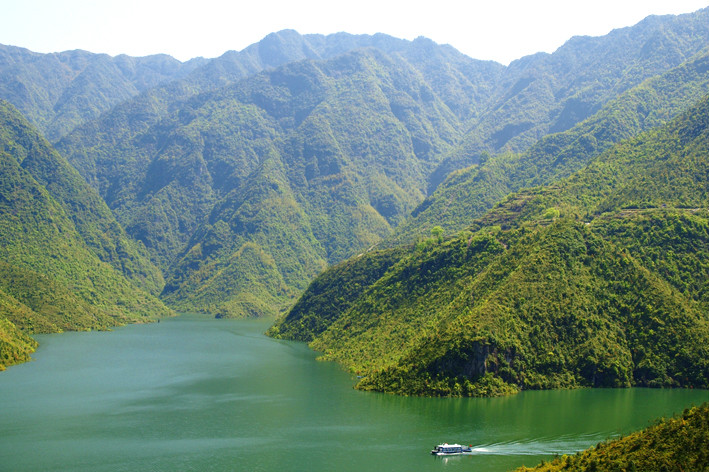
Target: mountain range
{"type": "Point", "coordinates": [595, 280]}
{"type": "Point", "coordinates": [133, 187]}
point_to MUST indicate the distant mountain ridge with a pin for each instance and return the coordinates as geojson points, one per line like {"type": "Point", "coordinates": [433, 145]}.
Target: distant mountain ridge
{"type": "Point", "coordinates": [550, 93]}
{"type": "Point", "coordinates": [213, 161]}
{"type": "Point", "coordinates": [470, 192]}
{"type": "Point", "coordinates": [59, 91]}
{"type": "Point", "coordinates": [167, 162]}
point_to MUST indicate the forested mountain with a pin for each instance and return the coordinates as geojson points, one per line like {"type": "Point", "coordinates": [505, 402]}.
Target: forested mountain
{"type": "Point", "coordinates": [65, 256]}
{"type": "Point", "coordinates": [335, 171]}
{"type": "Point", "coordinates": [596, 280]}
{"type": "Point", "coordinates": [88, 213]}
{"type": "Point", "coordinates": [226, 185]}
{"type": "Point", "coordinates": [468, 193]}
{"type": "Point", "coordinates": [15, 345]}
{"type": "Point", "coordinates": [330, 153]}
{"type": "Point", "coordinates": [550, 93]}
{"type": "Point", "coordinates": [65, 263]}
{"type": "Point", "coordinates": [467, 83]}
{"type": "Point", "coordinates": [60, 91]}
{"type": "Point", "coordinates": [351, 138]}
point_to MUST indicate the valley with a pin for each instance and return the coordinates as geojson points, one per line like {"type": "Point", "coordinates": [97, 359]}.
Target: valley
{"type": "Point", "coordinates": [436, 225]}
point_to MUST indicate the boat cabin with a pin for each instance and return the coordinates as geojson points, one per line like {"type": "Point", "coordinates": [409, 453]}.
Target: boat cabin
{"type": "Point", "coordinates": [449, 449]}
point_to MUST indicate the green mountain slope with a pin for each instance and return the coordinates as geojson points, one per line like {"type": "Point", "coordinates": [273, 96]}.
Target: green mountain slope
{"type": "Point", "coordinates": [51, 278]}
{"type": "Point", "coordinates": [47, 304]}
{"type": "Point", "coordinates": [673, 243]}
{"type": "Point", "coordinates": [253, 256]}
{"type": "Point", "coordinates": [561, 309]}
{"type": "Point", "coordinates": [467, 84]}
{"type": "Point", "coordinates": [549, 93]}
{"type": "Point", "coordinates": [355, 133]}
{"type": "Point", "coordinates": [87, 211]}
{"type": "Point", "coordinates": [648, 194]}
{"type": "Point", "coordinates": [675, 444]}
{"type": "Point", "coordinates": [326, 297]}
{"type": "Point", "coordinates": [659, 171]}
{"type": "Point", "coordinates": [60, 91]}
{"type": "Point", "coordinates": [130, 154]}
{"type": "Point", "coordinates": [530, 300]}
{"type": "Point", "coordinates": [15, 345]}
{"type": "Point", "coordinates": [340, 168]}
{"type": "Point", "coordinates": [470, 192]}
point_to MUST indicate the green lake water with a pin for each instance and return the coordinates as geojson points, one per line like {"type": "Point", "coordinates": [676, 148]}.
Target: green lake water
{"type": "Point", "coordinates": [198, 394]}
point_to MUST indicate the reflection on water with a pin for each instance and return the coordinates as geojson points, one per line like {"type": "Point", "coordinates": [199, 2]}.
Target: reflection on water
{"type": "Point", "coordinates": [202, 394]}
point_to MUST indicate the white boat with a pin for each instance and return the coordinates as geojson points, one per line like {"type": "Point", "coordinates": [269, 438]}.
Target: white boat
{"type": "Point", "coordinates": [451, 450]}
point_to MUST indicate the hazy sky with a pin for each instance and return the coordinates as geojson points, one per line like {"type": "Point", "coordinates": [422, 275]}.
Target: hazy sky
{"type": "Point", "coordinates": [502, 30]}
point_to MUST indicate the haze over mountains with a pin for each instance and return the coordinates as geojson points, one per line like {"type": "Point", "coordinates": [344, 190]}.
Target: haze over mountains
{"type": "Point", "coordinates": [225, 186]}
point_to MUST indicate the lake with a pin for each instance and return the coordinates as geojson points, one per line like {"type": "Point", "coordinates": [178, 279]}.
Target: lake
{"type": "Point", "coordinates": [199, 394]}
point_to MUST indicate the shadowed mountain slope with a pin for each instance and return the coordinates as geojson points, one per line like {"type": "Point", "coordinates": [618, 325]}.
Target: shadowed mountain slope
{"type": "Point", "coordinates": [60, 91]}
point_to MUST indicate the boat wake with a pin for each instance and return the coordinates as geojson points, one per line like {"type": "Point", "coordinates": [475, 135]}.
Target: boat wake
{"type": "Point", "coordinates": [539, 446]}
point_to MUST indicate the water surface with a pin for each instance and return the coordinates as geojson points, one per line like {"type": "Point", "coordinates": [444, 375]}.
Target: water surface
{"type": "Point", "coordinates": [197, 394]}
